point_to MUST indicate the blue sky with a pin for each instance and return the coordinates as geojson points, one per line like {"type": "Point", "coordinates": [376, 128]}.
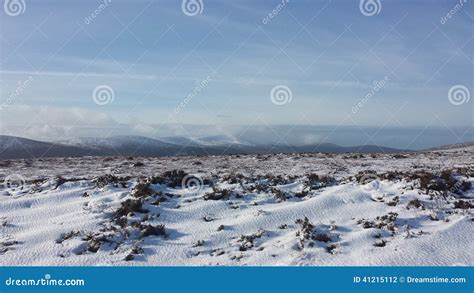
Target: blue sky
{"type": "Point", "coordinates": [154, 56]}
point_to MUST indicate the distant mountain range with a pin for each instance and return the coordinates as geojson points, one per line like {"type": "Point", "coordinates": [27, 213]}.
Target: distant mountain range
{"type": "Point", "coordinates": [452, 146]}
{"type": "Point", "coordinates": [12, 147]}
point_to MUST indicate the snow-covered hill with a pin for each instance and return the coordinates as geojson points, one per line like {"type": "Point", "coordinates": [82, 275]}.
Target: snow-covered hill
{"type": "Point", "coordinates": [285, 209]}
{"type": "Point", "coordinates": [222, 140]}
{"type": "Point", "coordinates": [217, 140]}
{"type": "Point", "coordinates": [17, 148]}
{"type": "Point", "coordinates": [114, 142]}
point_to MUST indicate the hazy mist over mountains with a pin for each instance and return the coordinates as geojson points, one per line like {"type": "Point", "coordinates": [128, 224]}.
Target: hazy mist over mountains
{"type": "Point", "coordinates": [256, 140]}
{"type": "Point", "coordinates": [414, 138]}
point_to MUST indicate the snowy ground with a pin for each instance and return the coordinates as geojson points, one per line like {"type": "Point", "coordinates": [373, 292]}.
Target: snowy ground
{"type": "Point", "coordinates": [300, 209]}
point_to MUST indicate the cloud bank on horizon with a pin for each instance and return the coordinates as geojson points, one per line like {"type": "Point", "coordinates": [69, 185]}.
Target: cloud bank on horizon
{"type": "Point", "coordinates": [78, 68]}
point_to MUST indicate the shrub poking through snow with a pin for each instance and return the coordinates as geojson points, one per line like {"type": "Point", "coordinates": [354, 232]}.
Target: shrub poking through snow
{"type": "Point", "coordinates": [394, 201]}
{"type": "Point", "coordinates": [466, 185]}
{"type": "Point", "coordinates": [217, 252]}
{"type": "Point", "coordinates": [386, 222]}
{"type": "Point", "coordinates": [129, 206]}
{"type": "Point", "coordinates": [107, 179]}
{"type": "Point", "coordinates": [93, 245]}
{"type": "Point", "coordinates": [170, 178]}
{"type": "Point", "coordinates": [321, 237]}
{"type": "Point", "coordinates": [217, 194]}
{"type": "Point", "coordinates": [461, 204]}
{"type": "Point", "coordinates": [95, 241]}
{"type": "Point", "coordinates": [136, 250]}
{"type": "Point", "coordinates": [442, 183]}
{"type": "Point", "coordinates": [364, 177]}
{"type": "Point", "coordinates": [315, 182]}
{"type": "Point", "coordinates": [60, 181]}
{"type": "Point", "coordinates": [331, 248]}
{"type": "Point", "coordinates": [7, 244]}
{"type": "Point", "coordinates": [301, 194]}
{"type": "Point", "coordinates": [248, 240]}
{"type": "Point", "coordinates": [278, 180]}
{"type": "Point", "coordinates": [380, 243]}
{"type": "Point", "coordinates": [233, 178]}
{"type": "Point", "coordinates": [259, 187]}
{"type": "Point", "coordinates": [198, 243]}
{"type": "Point", "coordinates": [280, 195]}
{"type": "Point", "coordinates": [142, 190]}
{"type": "Point", "coordinates": [399, 156]}
{"type": "Point", "coordinates": [434, 216]}
{"type": "Point", "coordinates": [159, 199]}
{"type": "Point", "coordinates": [208, 218]}
{"type": "Point", "coordinates": [306, 230]}
{"type": "Point", "coordinates": [408, 232]}
{"type": "Point", "coordinates": [150, 230]}
{"type": "Point", "coordinates": [393, 176]}
{"type": "Point", "coordinates": [113, 236]}
{"type": "Point", "coordinates": [415, 203]}
{"type": "Point", "coordinates": [66, 236]}
{"type": "Point", "coordinates": [309, 232]}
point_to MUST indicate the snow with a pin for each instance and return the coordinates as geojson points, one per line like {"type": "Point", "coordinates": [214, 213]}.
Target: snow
{"type": "Point", "coordinates": [112, 142]}
{"type": "Point", "coordinates": [49, 223]}
{"type": "Point", "coordinates": [217, 140]}
{"type": "Point", "coordinates": [220, 140]}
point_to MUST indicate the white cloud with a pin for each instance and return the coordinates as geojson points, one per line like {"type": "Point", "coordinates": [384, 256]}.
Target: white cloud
{"type": "Point", "coordinates": [47, 122]}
